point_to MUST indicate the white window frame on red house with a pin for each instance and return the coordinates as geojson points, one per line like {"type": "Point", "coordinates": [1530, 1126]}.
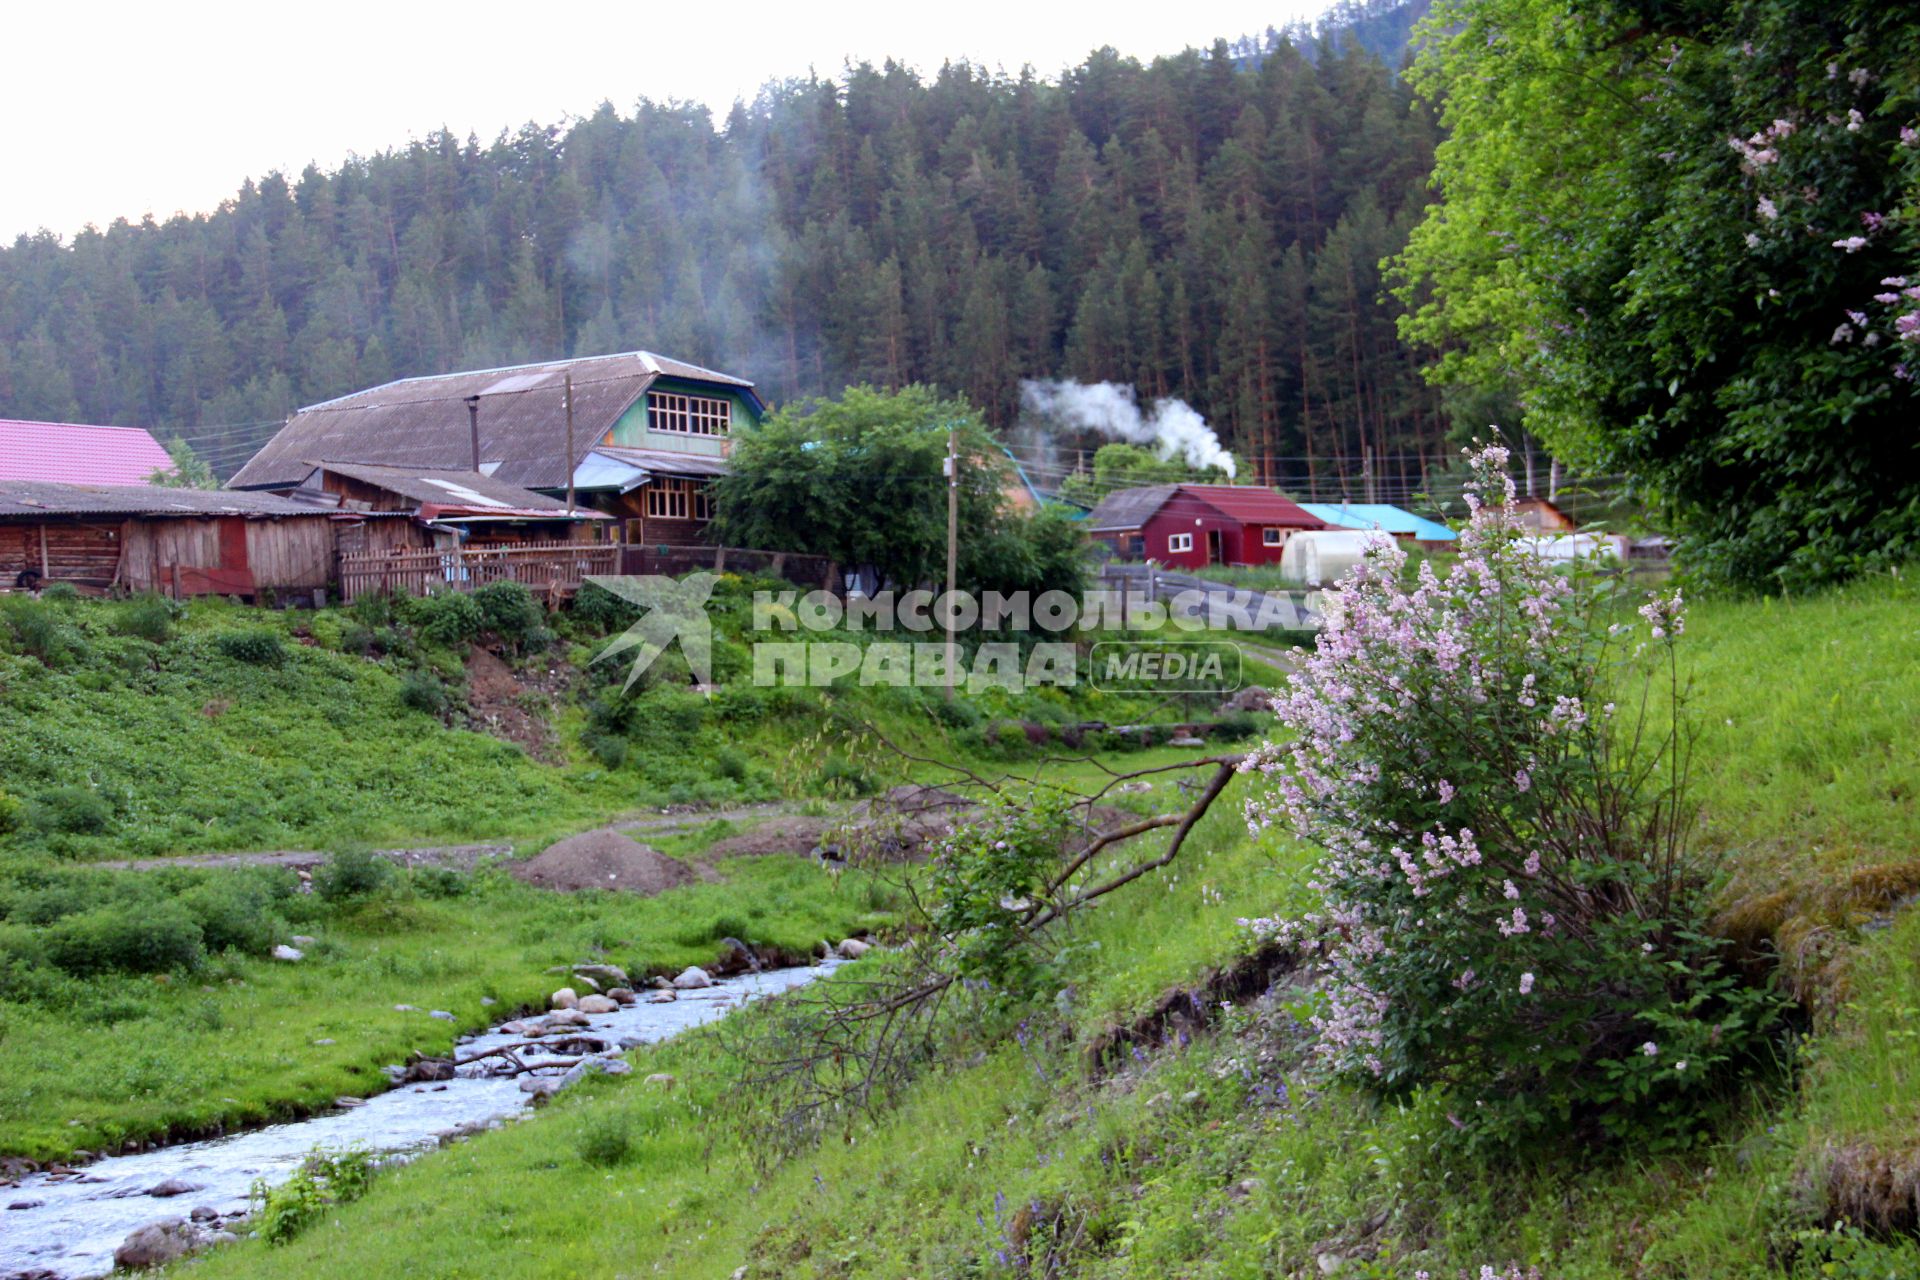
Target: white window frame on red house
{"type": "Point", "coordinates": [1272, 537]}
{"type": "Point", "coordinates": [1178, 542]}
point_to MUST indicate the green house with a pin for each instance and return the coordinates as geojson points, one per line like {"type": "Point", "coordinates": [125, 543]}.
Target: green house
{"type": "Point", "coordinates": [639, 436]}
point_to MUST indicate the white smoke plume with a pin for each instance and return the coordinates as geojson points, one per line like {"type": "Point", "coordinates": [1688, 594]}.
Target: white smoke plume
{"type": "Point", "coordinates": [1173, 427]}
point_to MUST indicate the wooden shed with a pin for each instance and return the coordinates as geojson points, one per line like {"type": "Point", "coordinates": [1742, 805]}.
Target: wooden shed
{"type": "Point", "coordinates": [149, 538]}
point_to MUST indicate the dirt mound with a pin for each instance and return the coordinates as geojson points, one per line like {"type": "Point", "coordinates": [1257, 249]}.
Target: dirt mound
{"type": "Point", "coordinates": [604, 859]}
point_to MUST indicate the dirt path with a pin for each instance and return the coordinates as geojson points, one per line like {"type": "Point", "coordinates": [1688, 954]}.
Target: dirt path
{"type": "Point", "coordinates": [463, 857]}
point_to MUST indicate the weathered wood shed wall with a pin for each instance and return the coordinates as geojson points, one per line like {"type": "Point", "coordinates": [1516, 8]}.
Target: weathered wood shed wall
{"type": "Point", "coordinates": [139, 554]}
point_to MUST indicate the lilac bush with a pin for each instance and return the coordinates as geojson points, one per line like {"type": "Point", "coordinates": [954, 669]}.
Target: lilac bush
{"type": "Point", "coordinates": [1508, 910]}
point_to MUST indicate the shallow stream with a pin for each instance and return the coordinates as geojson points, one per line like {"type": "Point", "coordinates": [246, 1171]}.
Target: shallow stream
{"type": "Point", "coordinates": [66, 1226]}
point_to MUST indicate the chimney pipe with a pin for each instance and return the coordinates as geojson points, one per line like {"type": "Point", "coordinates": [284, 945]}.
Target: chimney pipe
{"type": "Point", "coordinates": [473, 427]}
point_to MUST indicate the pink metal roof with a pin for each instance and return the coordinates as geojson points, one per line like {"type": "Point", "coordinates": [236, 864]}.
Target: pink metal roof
{"type": "Point", "coordinates": [73, 453]}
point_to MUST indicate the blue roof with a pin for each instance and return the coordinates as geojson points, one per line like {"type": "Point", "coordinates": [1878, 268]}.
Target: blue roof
{"type": "Point", "coordinates": [1379, 515]}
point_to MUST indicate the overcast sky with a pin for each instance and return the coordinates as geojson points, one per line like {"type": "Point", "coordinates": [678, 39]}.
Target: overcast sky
{"type": "Point", "coordinates": [121, 110]}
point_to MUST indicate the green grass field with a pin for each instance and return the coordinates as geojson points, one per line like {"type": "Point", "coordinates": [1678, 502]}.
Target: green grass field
{"type": "Point", "coordinates": [1224, 1157]}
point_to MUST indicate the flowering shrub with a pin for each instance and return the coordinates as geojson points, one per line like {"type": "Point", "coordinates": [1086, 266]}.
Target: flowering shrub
{"type": "Point", "coordinates": [1508, 912]}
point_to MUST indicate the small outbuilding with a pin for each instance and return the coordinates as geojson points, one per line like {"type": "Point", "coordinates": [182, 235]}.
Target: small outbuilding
{"type": "Point", "coordinates": [150, 538]}
{"type": "Point", "coordinates": [1195, 525]}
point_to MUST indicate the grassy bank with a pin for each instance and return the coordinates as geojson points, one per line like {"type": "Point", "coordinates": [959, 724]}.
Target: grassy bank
{"type": "Point", "coordinates": [91, 1062]}
{"type": "Point", "coordinates": [1225, 1154]}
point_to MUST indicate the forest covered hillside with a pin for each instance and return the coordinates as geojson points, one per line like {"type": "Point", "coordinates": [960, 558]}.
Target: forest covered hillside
{"type": "Point", "coordinates": [1208, 225]}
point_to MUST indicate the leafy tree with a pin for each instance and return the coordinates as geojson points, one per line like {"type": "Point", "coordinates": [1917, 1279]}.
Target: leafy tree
{"type": "Point", "coordinates": [1129, 466]}
{"type": "Point", "coordinates": [1688, 236]}
{"type": "Point", "coordinates": [861, 479]}
{"type": "Point", "coordinates": [189, 470]}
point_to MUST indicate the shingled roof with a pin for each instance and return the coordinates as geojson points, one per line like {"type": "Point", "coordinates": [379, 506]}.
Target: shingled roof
{"type": "Point", "coordinates": [422, 422]}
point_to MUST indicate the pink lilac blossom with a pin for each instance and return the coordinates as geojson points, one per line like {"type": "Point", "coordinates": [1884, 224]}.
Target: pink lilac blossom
{"type": "Point", "coordinates": [1526, 984]}
{"type": "Point", "coordinates": [1395, 642]}
{"type": "Point", "coordinates": [1852, 244]}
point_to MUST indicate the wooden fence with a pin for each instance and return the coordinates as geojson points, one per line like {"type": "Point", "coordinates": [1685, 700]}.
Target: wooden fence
{"type": "Point", "coordinates": [555, 569]}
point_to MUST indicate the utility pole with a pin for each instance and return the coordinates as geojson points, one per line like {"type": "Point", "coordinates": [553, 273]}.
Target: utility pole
{"type": "Point", "coordinates": [569, 444]}
{"type": "Point", "coordinates": [473, 427]}
{"type": "Point", "coordinates": [953, 539]}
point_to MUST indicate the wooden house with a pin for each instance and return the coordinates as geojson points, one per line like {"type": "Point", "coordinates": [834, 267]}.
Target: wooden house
{"type": "Point", "coordinates": [175, 541]}
{"type": "Point", "coordinates": [1195, 525]}
{"type": "Point", "coordinates": [1541, 516]}
{"type": "Point", "coordinates": [642, 441]}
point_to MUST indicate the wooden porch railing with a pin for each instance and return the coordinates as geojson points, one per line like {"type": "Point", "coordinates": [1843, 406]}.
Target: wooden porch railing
{"type": "Point", "coordinates": [554, 568]}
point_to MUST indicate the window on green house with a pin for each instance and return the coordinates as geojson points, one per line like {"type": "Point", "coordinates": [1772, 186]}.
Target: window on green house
{"type": "Point", "coordinates": [688, 415]}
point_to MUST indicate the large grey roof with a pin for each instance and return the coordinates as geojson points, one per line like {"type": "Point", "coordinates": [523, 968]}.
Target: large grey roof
{"type": "Point", "coordinates": [422, 422]}
{"type": "Point", "coordinates": [48, 498]}
{"type": "Point", "coordinates": [1125, 509]}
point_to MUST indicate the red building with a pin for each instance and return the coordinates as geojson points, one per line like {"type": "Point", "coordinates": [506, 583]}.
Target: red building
{"type": "Point", "coordinates": [1192, 526]}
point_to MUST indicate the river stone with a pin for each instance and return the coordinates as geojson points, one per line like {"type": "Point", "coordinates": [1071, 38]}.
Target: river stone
{"type": "Point", "coordinates": [564, 998]}
{"type": "Point", "coordinates": [285, 952]}
{"type": "Point", "coordinates": [603, 975]}
{"type": "Point", "coordinates": [598, 1004]}
{"type": "Point", "coordinates": [26, 1204]}
{"type": "Point", "coordinates": [172, 1187]}
{"type": "Point", "coordinates": [663, 997]}
{"type": "Point", "coordinates": [566, 1018]}
{"type": "Point", "coordinates": [156, 1244]}
{"type": "Point", "coordinates": [623, 994]}
{"type": "Point", "coordinates": [693, 979]}
{"type": "Point", "coordinates": [349, 1103]}
{"type": "Point", "coordinates": [205, 1213]}
{"type": "Point", "coordinates": [853, 948]}
{"type": "Point", "coordinates": [442, 1014]}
